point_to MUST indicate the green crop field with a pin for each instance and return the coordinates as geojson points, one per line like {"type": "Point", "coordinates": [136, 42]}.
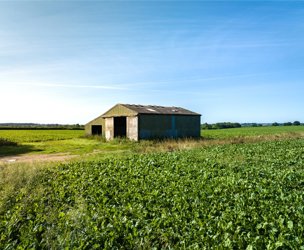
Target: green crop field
{"type": "Point", "coordinates": [252, 131]}
{"type": "Point", "coordinates": [221, 193]}
{"type": "Point", "coordinates": [36, 135]}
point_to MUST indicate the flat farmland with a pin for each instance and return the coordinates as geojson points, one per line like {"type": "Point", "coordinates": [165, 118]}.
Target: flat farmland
{"type": "Point", "coordinates": [219, 192]}
{"type": "Point", "coordinates": [275, 131]}
{"type": "Point", "coordinates": [73, 142]}
{"type": "Point", "coordinates": [36, 135]}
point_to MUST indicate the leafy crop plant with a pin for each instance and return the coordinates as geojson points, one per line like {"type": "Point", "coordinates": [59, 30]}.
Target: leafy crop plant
{"type": "Point", "coordinates": [247, 196]}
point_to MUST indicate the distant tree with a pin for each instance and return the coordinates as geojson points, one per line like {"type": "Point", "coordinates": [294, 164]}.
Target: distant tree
{"type": "Point", "coordinates": [296, 123]}
{"type": "Point", "coordinates": [275, 124]}
{"type": "Point", "coordinates": [287, 124]}
{"type": "Point", "coordinates": [222, 125]}
{"type": "Point", "coordinates": [206, 126]}
{"type": "Point", "coordinates": [217, 126]}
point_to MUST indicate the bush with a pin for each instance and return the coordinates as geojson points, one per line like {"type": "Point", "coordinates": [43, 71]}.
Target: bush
{"type": "Point", "coordinates": [296, 123]}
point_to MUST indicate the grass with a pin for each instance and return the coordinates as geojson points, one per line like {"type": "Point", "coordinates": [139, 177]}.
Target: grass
{"type": "Point", "coordinates": [36, 135]}
{"type": "Point", "coordinates": [16, 179]}
{"type": "Point", "coordinates": [253, 132]}
{"type": "Point", "coordinates": [7, 142]}
{"type": "Point", "coordinates": [73, 142]}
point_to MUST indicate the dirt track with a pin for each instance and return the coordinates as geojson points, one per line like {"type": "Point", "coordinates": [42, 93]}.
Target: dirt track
{"type": "Point", "coordinates": [35, 158]}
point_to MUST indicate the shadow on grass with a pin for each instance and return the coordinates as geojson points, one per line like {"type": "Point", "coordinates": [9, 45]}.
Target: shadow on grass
{"type": "Point", "coordinates": [16, 150]}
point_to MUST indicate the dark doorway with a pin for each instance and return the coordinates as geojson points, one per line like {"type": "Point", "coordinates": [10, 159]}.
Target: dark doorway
{"type": "Point", "coordinates": [96, 130]}
{"type": "Point", "coordinates": [120, 126]}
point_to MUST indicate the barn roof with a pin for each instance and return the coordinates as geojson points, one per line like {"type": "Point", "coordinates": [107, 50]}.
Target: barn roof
{"type": "Point", "coordinates": [153, 109]}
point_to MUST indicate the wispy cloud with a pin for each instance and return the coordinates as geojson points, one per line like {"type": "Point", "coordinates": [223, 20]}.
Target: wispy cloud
{"type": "Point", "coordinates": [206, 79]}
{"type": "Point", "coordinates": [208, 53]}
{"type": "Point", "coordinates": [75, 86]}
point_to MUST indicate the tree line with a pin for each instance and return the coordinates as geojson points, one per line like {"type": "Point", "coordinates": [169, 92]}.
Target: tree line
{"type": "Point", "coordinates": [223, 125]}
{"type": "Point", "coordinates": [25, 126]}
{"type": "Point", "coordinates": [295, 123]}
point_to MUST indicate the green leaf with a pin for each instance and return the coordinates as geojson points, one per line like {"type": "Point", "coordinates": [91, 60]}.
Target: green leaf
{"type": "Point", "coordinates": [290, 224]}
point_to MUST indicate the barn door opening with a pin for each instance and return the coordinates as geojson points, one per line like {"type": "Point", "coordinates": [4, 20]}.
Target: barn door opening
{"type": "Point", "coordinates": [96, 130]}
{"type": "Point", "coordinates": [120, 126]}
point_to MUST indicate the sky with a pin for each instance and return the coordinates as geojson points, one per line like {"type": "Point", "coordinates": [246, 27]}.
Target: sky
{"type": "Point", "coordinates": [68, 62]}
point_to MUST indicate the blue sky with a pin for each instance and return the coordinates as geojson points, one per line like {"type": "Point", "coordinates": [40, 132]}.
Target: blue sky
{"type": "Point", "coordinates": [70, 61]}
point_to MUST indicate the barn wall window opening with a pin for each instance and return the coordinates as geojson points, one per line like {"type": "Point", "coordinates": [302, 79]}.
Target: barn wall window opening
{"type": "Point", "coordinates": [97, 130]}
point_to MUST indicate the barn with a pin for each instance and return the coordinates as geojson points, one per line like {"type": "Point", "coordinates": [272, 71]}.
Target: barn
{"type": "Point", "coordinates": [145, 122]}
{"type": "Point", "coordinates": [95, 127]}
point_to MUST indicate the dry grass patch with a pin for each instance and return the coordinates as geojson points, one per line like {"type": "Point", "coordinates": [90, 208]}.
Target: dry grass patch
{"type": "Point", "coordinates": [169, 145]}
{"type": "Point", "coordinates": [16, 178]}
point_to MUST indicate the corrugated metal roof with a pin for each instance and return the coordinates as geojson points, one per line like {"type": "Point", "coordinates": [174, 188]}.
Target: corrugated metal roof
{"type": "Point", "coordinates": [153, 109]}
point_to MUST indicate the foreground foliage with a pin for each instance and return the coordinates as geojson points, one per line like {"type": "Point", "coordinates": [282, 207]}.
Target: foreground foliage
{"type": "Point", "coordinates": [230, 196]}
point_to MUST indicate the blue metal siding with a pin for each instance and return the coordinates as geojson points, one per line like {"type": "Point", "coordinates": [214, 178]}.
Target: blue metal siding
{"type": "Point", "coordinates": [168, 126]}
